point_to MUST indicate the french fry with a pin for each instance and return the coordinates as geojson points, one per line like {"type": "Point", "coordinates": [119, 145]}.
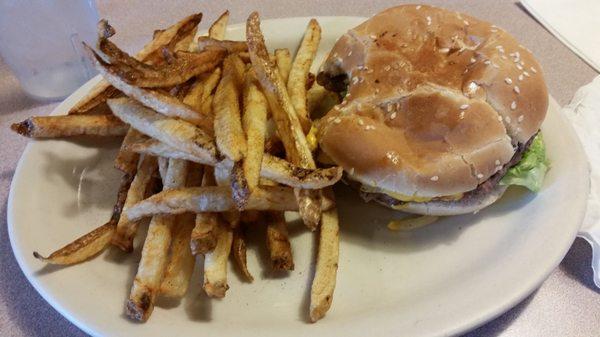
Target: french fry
{"type": "Point", "coordinates": [215, 263]}
{"type": "Point", "coordinates": [238, 250]}
{"type": "Point", "coordinates": [206, 43]}
{"type": "Point", "coordinates": [153, 262]}
{"type": "Point", "coordinates": [94, 242]}
{"type": "Point", "coordinates": [285, 116]}
{"type": "Point", "coordinates": [163, 167]}
{"type": "Point", "coordinates": [150, 53]}
{"type": "Point", "coordinates": [70, 125]}
{"type": "Point", "coordinates": [274, 168]}
{"type": "Point", "coordinates": [320, 100]}
{"type": "Point", "coordinates": [127, 228]}
{"type": "Point", "coordinates": [181, 261]}
{"type": "Point", "coordinates": [126, 160]}
{"type": "Point", "coordinates": [156, 100]}
{"type": "Point", "coordinates": [218, 28]}
{"type": "Point", "coordinates": [212, 199]}
{"type": "Point", "coordinates": [296, 84]}
{"type": "Point", "coordinates": [254, 122]}
{"type": "Point", "coordinates": [284, 63]}
{"type": "Point", "coordinates": [203, 237]}
{"type": "Point", "coordinates": [278, 242]}
{"type": "Point", "coordinates": [229, 134]}
{"type": "Point", "coordinates": [176, 133]}
{"type": "Point", "coordinates": [323, 285]}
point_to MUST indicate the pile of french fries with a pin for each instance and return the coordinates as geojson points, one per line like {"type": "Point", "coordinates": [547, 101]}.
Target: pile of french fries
{"type": "Point", "coordinates": [215, 141]}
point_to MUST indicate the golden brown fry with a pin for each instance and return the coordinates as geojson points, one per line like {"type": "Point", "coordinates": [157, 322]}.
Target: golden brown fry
{"type": "Point", "coordinates": [95, 100]}
{"type": "Point", "coordinates": [239, 253]}
{"type": "Point", "coordinates": [296, 84]}
{"type": "Point", "coordinates": [205, 43]}
{"type": "Point", "coordinates": [212, 199]}
{"type": "Point", "coordinates": [127, 228]}
{"type": "Point", "coordinates": [83, 248]}
{"type": "Point", "coordinates": [181, 261]}
{"type": "Point", "coordinates": [323, 285]}
{"type": "Point", "coordinates": [203, 237]}
{"type": "Point", "coordinates": [126, 160]}
{"type": "Point", "coordinates": [176, 133]}
{"type": "Point", "coordinates": [229, 134]}
{"type": "Point", "coordinates": [156, 100]}
{"type": "Point", "coordinates": [70, 125]}
{"type": "Point", "coordinates": [155, 255]}
{"type": "Point", "coordinates": [218, 28]}
{"type": "Point", "coordinates": [215, 263]}
{"type": "Point", "coordinates": [285, 116]}
{"type": "Point", "coordinates": [210, 84]}
{"type": "Point", "coordinates": [274, 168]}
{"type": "Point", "coordinates": [254, 122]}
{"type": "Point", "coordinates": [284, 63]}
{"type": "Point", "coordinates": [93, 242]}
{"type": "Point", "coordinates": [278, 242]}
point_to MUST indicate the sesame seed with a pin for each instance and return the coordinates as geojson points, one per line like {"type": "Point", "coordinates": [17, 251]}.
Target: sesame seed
{"type": "Point", "coordinates": [507, 119]}
{"type": "Point", "coordinates": [389, 107]}
{"type": "Point", "coordinates": [418, 7]}
{"type": "Point", "coordinates": [387, 68]}
{"type": "Point", "coordinates": [461, 115]}
{"type": "Point", "coordinates": [520, 118]}
{"type": "Point", "coordinates": [495, 65]}
{"type": "Point", "coordinates": [511, 54]}
{"type": "Point", "coordinates": [497, 162]}
{"type": "Point", "coordinates": [508, 80]}
{"type": "Point", "coordinates": [533, 69]}
{"type": "Point", "coordinates": [429, 20]}
{"type": "Point", "coordinates": [517, 54]}
{"type": "Point", "coordinates": [393, 115]}
{"type": "Point", "coordinates": [354, 80]}
{"type": "Point", "coordinates": [466, 22]}
{"type": "Point", "coordinates": [479, 175]}
{"type": "Point", "coordinates": [473, 60]}
{"type": "Point", "coordinates": [444, 50]}
{"type": "Point", "coordinates": [487, 62]}
{"type": "Point", "coordinates": [513, 105]}
{"type": "Point", "coordinates": [503, 57]}
{"type": "Point", "coordinates": [373, 36]}
{"type": "Point", "coordinates": [520, 67]}
{"type": "Point", "coordinates": [370, 127]}
{"type": "Point", "coordinates": [361, 122]}
{"type": "Point", "coordinates": [464, 106]}
{"type": "Point", "coordinates": [526, 74]}
{"type": "Point", "coordinates": [500, 118]}
{"type": "Point", "coordinates": [498, 168]}
{"type": "Point", "coordinates": [350, 53]}
{"type": "Point", "coordinates": [521, 77]}
{"type": "Point", "coordinates": [434, 178]}
{"type": "Point", "coordinates": [337, 120]}
{"type": "Point", "coordinates": [522, 63]}
{"type": "Point", "coordinates": [517, 90]}
{"type": "Point", "coordinates": [393, 156]}
{"type": "Point", "coordinates": [493, 30]}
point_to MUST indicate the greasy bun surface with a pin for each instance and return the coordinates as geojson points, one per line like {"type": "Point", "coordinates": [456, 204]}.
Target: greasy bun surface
{"type": "Point", "coordinates": [437, 101]}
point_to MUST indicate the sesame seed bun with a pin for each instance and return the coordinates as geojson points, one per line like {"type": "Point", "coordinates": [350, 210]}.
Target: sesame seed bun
{"type": "Point", "coordinates": [437, 103]}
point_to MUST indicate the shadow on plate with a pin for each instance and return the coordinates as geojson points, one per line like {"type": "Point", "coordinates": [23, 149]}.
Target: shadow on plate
{"type": "Point", "coordinates": [365, 224]}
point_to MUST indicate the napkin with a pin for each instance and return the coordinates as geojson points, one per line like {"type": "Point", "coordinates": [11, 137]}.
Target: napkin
{"type": "Point", "coordinates": [584, 113]}
{"type": "Point", "coordinates": [574, 22]}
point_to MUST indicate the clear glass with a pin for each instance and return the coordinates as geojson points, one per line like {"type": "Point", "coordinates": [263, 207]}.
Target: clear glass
{"type": "Point", "coordinates": [41, 41]}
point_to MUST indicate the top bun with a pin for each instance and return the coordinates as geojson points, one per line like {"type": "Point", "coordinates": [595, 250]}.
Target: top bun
{"type": "Point", "coordinates": [437, 101]}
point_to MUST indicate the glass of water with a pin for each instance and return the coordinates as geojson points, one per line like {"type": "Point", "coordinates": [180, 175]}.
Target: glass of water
{"type": "Point", "coordinates": [41, 41]}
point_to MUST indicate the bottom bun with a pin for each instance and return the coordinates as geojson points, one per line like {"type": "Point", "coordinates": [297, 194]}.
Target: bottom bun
{"type": "Point", "coordinates": [463, 206]}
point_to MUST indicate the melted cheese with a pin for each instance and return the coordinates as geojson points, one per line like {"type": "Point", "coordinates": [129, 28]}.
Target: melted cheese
{"type": "Point", "coordinates": [409, 198]}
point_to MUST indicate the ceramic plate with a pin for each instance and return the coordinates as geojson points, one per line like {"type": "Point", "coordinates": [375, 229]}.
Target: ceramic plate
{"type": "Point", "coordinates": [439, 280]}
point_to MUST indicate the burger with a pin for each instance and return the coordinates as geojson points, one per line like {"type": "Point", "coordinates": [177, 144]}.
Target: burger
{"type": "Point", "coordinates": [440, 113]}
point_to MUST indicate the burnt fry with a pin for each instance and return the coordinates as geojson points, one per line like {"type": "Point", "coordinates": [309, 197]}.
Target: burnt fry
{"type": "Point", "coordinates": [288, 125]}
{"type": "Point", "coordinates": [156, 100]}
{"type": "Point", "coordinates": [126, 228]}
{"type": "Point", "coordinates": [238, 250]}
{"type": "Point", "coordinates": [94, 242]}
{"type": "Point", "coordinates": [94, 101]}
{"type": "Point", "coordinates": [70, 125]}
{"type": "Point", "coordinates": [278, 242]}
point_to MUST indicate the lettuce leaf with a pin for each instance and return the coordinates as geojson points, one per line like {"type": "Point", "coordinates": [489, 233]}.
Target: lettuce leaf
{"type": "Point", "coordinates": [532, 168]}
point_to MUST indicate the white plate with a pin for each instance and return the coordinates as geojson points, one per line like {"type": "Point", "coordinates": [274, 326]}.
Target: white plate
{"type": "Point", "coordinates": [439, 280]}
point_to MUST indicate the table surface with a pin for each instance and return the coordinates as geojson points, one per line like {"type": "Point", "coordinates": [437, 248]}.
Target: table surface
{"type": "Point", "coordinates": [567, 304]}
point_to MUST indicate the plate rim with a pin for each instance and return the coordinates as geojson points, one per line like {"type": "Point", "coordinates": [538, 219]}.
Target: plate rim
{"type": "Point", "coordinates": [462, 326]}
